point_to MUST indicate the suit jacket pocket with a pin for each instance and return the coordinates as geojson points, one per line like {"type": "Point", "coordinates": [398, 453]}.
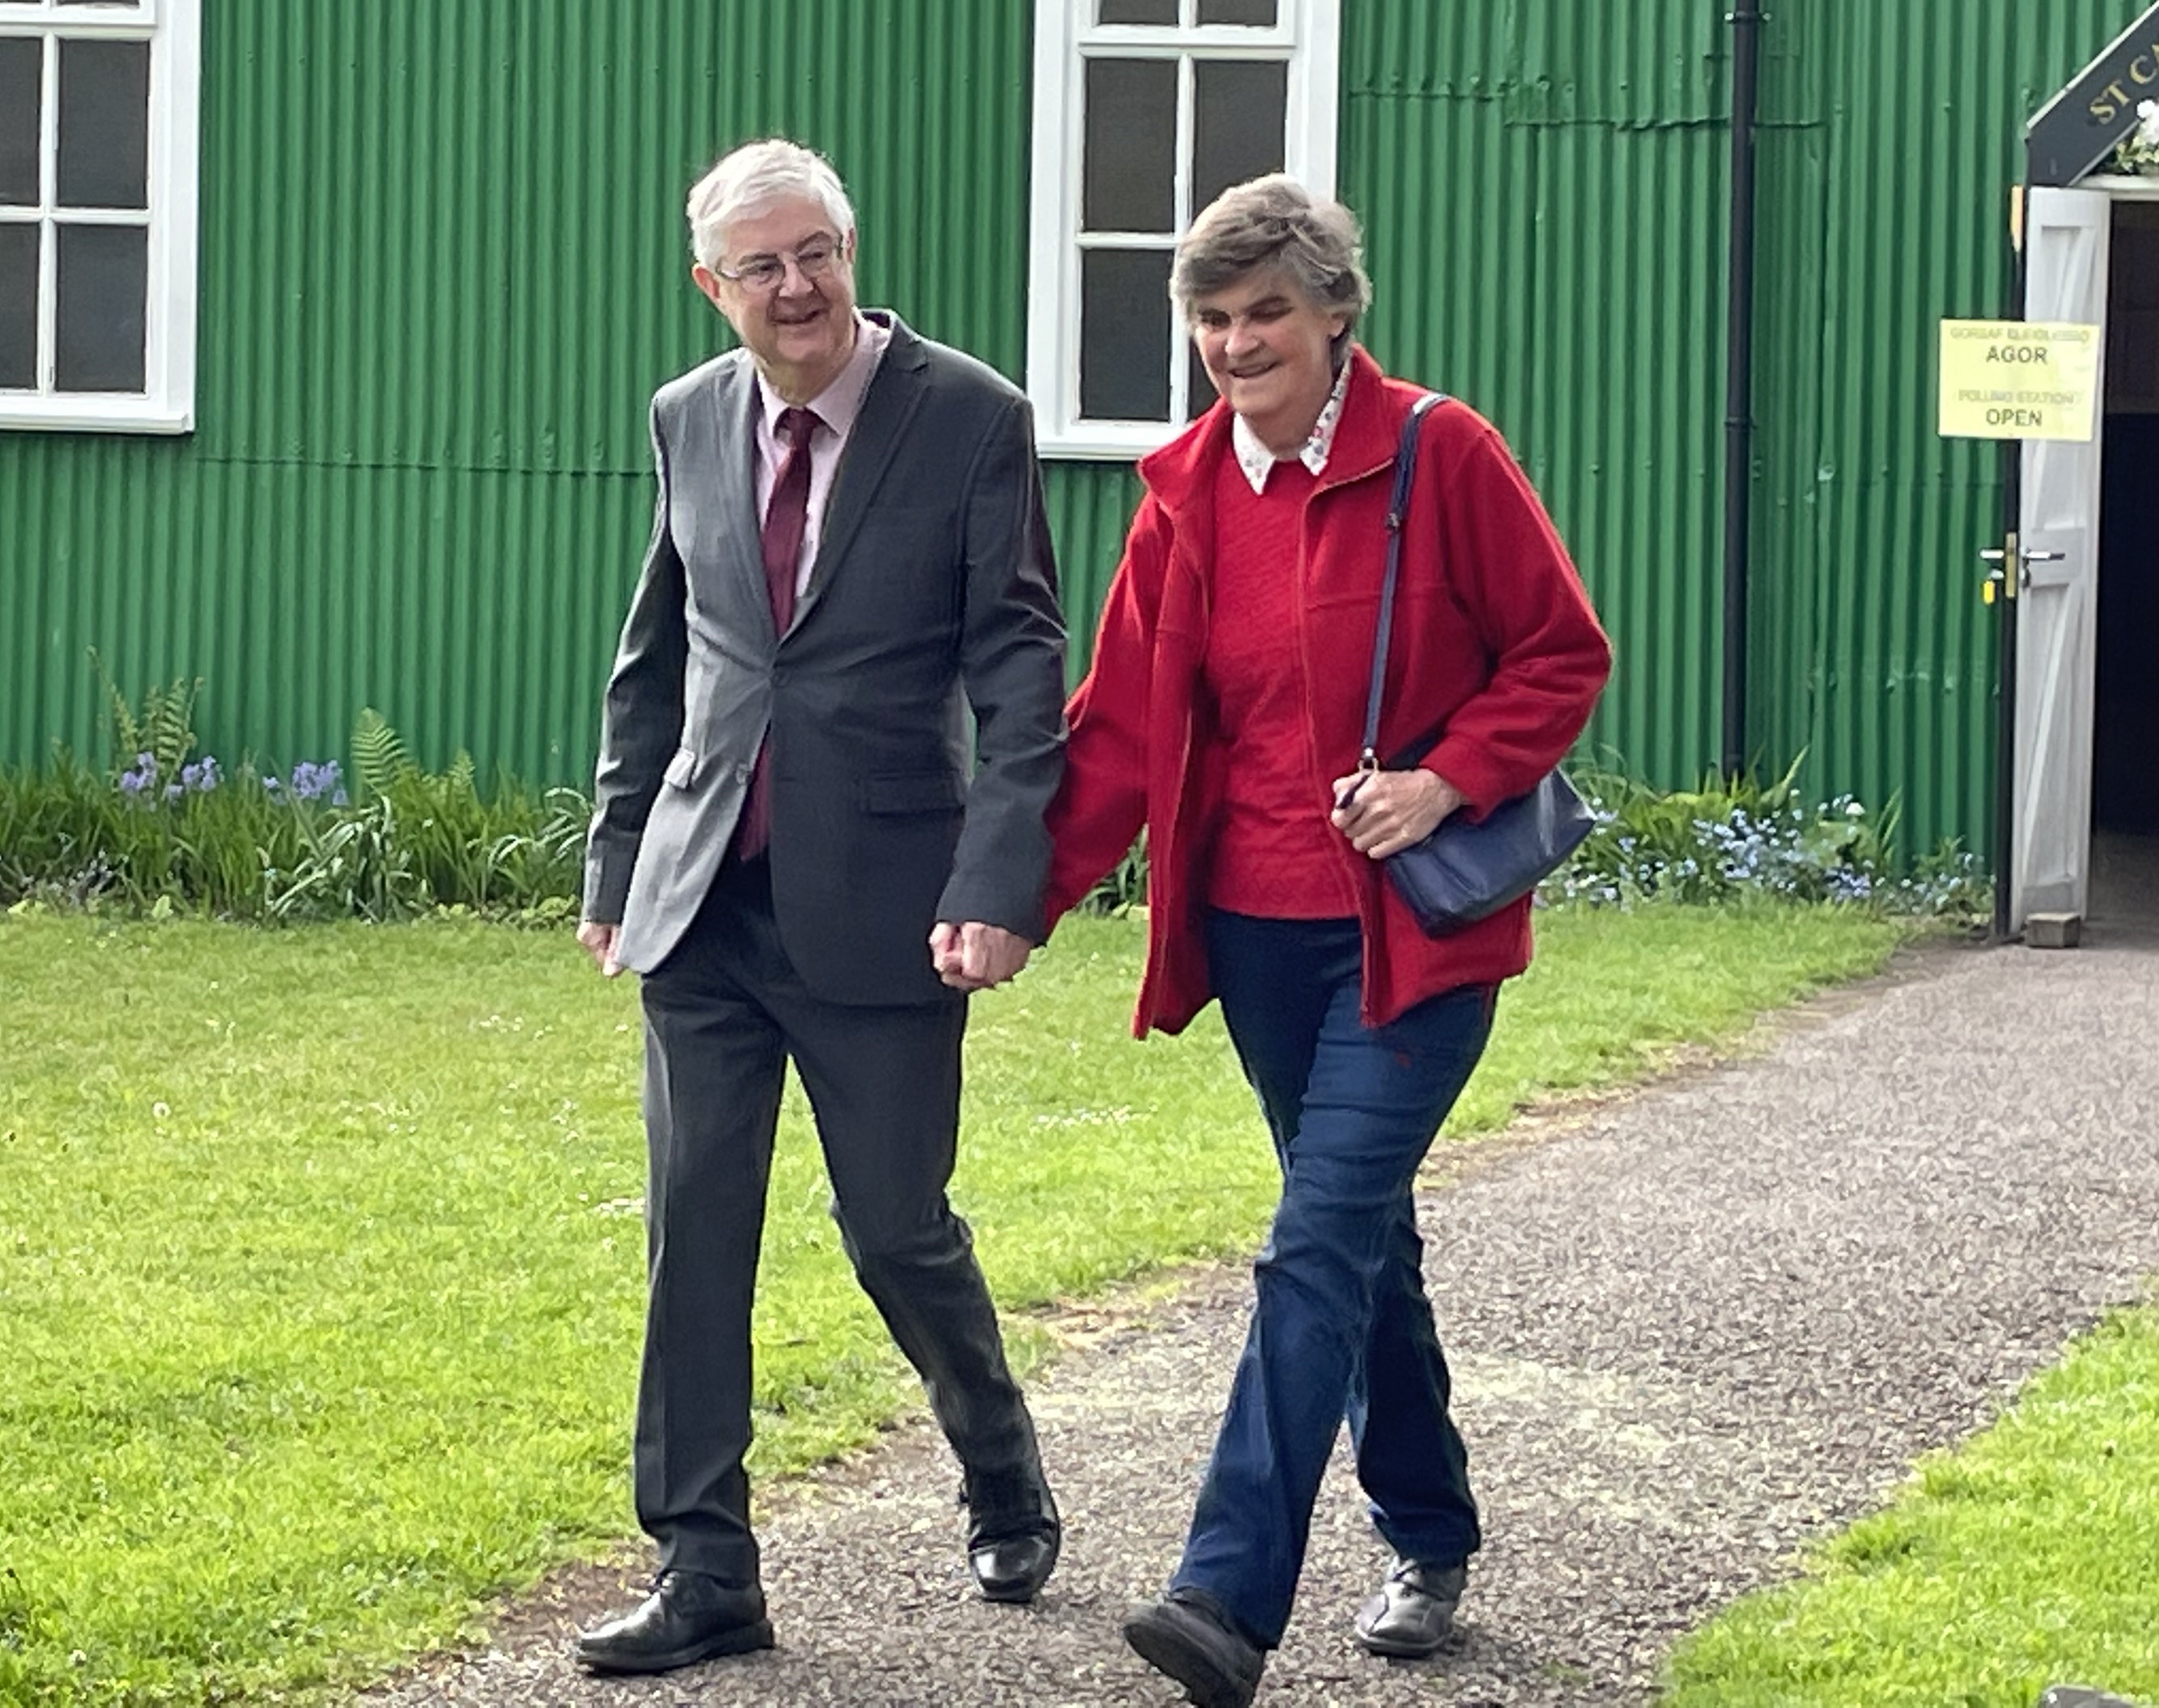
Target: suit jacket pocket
{"type": "Point", "coordinates": [913, 792]}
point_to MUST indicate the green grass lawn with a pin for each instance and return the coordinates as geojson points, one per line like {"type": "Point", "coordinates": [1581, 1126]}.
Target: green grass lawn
{"type": "Point", "coordinates": [321, 1259]}
{"type": "Point", "coordinates": [2028, 1557]}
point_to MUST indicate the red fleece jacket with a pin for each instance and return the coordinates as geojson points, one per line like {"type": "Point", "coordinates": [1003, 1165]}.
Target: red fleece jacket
{"type": "Point", "coordinates": [1494, 644]}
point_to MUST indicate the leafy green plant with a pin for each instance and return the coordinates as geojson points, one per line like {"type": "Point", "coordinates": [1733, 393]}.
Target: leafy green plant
{"type": "Point", "coordinates": [508, 847]}
{"type": "Point", "coordinates": [160, 732]}
{"type": "Point", "coordinates": [1734, 837]}
{"type": "Point", "coordinates": [378, 753]}
{"type": "Point", "coordinates": [2137, 154]}
{"type": "Point", "coordinates": [1125, 888]}
{"type": "Point", "coordinates": [252, 845]}
{"type": "Point", "coordinates": [1727, 840]}
{"type": "Point", "coordinates": [351, 864]}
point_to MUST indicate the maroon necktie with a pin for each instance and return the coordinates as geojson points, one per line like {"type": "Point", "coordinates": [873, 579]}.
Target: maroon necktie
{"type": "Point", "coordinates": [786, 515]}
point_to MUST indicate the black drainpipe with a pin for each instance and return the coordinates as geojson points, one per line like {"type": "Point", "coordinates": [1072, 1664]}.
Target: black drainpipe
{"type": "Point", "coordinates": [1744, 18]}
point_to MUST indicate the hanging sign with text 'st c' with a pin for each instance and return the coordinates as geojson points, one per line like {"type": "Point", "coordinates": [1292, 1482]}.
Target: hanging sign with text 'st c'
{"type": "Point", "coordinates": [2019, 380]}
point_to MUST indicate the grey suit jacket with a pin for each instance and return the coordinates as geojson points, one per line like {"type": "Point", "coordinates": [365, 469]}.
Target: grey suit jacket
{"type": "Point", "coordinates": [932, 594]}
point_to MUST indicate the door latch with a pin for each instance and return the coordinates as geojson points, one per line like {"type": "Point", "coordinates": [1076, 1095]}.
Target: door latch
{"type": "Point", "coordinates": [1996, 584]}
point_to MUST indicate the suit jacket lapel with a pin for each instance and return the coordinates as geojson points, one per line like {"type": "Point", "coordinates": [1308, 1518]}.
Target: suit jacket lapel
{"type": "Point", "coordinates": [887, 406]}
{"type": "Point", "coordinates": [734, 404]}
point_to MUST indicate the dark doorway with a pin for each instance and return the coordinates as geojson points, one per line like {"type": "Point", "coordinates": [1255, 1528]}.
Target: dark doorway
{"type": "Point", "coordinates": [2126, 725]}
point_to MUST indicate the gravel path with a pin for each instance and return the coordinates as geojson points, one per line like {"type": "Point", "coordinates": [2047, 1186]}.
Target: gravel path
{"type": "Point", "coordinates": [1689, 1330]}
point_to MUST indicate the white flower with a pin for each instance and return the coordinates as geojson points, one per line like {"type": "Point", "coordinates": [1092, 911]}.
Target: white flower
{"type": "Point", "coordinates": [2147, 123]}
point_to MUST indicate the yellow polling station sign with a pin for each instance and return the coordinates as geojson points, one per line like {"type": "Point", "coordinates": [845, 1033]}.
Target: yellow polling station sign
{"type": "Point", "coordinates": [2019, 380]}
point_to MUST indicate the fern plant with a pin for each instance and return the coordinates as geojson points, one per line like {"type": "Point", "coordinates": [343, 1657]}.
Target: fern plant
{"type": "Point", "coordinates": [379, 756]}
{"type": "Point", "coordinates": [163, 725]}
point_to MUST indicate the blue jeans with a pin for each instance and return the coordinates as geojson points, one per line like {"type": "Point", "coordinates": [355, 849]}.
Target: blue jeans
{"type": "Point", "coordinates": [1342, 1326]}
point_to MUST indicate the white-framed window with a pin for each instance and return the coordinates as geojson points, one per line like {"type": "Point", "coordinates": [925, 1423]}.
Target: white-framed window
{"type": "Point", "coordinates": [98, 112]}
{"type": "Point", "coordinates": [1144, 111]}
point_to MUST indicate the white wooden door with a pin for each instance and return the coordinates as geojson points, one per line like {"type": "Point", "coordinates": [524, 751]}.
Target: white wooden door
{"type": "Point", "coordinates": [2065, 277]}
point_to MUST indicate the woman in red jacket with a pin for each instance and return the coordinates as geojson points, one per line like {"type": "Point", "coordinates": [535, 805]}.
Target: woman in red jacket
{"type": "Point", "coordinates": [1223, 711]}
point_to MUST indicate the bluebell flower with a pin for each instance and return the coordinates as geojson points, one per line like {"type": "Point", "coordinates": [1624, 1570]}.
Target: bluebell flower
{"type": "Point", "coordinates": [140, 777]}
{"type": "Point", "coordinates": [314, 782]}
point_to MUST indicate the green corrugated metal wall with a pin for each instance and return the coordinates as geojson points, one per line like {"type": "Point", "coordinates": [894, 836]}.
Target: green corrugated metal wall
{"type": "Point", "coordinates": [442, 268]}
{"type": "Point", "coordinates": [1894, 138]}
{"type": "Point", "coordinates": [1542, 187]}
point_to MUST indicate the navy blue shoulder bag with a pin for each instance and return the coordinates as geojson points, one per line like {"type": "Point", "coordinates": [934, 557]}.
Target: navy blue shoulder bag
{"type": "Point", "coordinates": [1466, 870]}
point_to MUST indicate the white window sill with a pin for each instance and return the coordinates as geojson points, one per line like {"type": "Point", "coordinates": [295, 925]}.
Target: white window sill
{"type": "Point", "coordinates": [91, 414]}
{"type": "Point", "coordinates": [1106, 441]}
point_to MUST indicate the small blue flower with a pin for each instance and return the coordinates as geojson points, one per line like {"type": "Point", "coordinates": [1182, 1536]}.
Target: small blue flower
{"type": "Point", "coordinates": [139, 777]}
{"type": "Point", "coordinates": [314, 782]}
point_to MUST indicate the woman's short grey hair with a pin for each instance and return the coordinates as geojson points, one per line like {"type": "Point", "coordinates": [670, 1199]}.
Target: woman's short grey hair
{"type": "Point", "coordinates": [1275, 222]}
{"type": "Point", "coordinates": [748, 180]}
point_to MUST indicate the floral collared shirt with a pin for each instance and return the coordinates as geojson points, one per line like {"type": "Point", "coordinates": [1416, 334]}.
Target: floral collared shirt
{"type": "Point", "coordinates": [1258, 461]}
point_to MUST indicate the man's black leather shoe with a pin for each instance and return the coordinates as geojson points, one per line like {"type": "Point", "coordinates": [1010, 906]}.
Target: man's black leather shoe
{"type": "Point", "coordinates": [688, 1617]}
{"type": "Point", "coordinates": [1413, 1611]}
{"type": "Point", "coordinates": [1187, 1637]}
{"type": "Point", "coordinates": [1013, 1533]}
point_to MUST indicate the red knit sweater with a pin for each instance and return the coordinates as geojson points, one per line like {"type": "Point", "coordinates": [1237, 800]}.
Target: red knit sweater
{"type": "Point", "coordinates": [1273, 853]}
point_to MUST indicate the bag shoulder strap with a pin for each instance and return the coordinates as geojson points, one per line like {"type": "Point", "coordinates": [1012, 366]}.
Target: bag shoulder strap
{"type": "Point", "coordinates": [1398, 506]}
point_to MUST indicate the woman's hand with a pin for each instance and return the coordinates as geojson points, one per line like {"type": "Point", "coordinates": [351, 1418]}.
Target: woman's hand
{"type": "Point", "coordinates": [1384, 812]}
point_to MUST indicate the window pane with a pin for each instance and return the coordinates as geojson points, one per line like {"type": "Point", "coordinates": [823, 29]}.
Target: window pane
{"type": "Point", "coordinates": [1137, 12]}
{"type": "Point", "coordinates": [1131, 146]}
{"type": "Point", "coordinates": [1124, 335]}
{"type": "Point", "coordinates": [22, 97]}
{"type": "Point", "coordinates": [104, 291]}
{"type": "Point", "coordinates": [1238, 108]}
{"type": "Point", "coordinates": [105, 124]}
{"type": "Point", "coordinates": [1199, 393]}
{"type": "Point", "coordinates": [1259, 12]}
{"type": "Point", "coordinates": [18, 307]}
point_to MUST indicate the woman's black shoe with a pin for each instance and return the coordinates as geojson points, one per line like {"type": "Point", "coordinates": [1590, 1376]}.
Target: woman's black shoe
{"type": "Point", "coordinates": [1413, 1611]}
{"type": "Point", "coordinates": [1184, 1636]}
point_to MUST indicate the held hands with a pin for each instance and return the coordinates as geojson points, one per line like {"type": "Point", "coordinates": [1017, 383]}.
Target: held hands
{"type": "Point", "coordinates": [975, 956]}
{"type": "Point", "coordinates": [601, 941]}
{"type": "Point", "coordinates": [969, 957]}
{"type": "Point", "coordinates": [1384, 812]}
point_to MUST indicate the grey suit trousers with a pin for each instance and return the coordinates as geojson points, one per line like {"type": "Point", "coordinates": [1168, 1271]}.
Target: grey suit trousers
{"type": "Point", "coordinates": [723, 1013]}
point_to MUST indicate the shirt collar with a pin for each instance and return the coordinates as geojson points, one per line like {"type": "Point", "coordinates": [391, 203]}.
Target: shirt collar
{"type": "Point", "coordinates": [1258, 461]}
{"type": "Point", "coordinates": [840, 402]}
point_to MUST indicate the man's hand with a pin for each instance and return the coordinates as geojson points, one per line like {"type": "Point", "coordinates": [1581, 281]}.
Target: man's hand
{"type": "Point", "coordinates": [975, 956]}
{"type": "Point", "coordinates": [601, 941]}
{"type": "Point", "coordinates": [1384, 812]}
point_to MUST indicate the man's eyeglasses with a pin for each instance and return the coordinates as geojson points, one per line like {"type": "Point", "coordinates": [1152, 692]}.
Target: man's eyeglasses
{"type": "Point", "coordinates": [762, 273]}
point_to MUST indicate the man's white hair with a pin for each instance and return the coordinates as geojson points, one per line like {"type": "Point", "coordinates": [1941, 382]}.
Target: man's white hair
{"type": "Point", "coordinates": [748, 180]}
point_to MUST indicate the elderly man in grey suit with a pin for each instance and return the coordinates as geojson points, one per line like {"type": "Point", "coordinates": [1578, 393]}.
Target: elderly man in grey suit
{"type": "Point", "coordinates": [810, 852]}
